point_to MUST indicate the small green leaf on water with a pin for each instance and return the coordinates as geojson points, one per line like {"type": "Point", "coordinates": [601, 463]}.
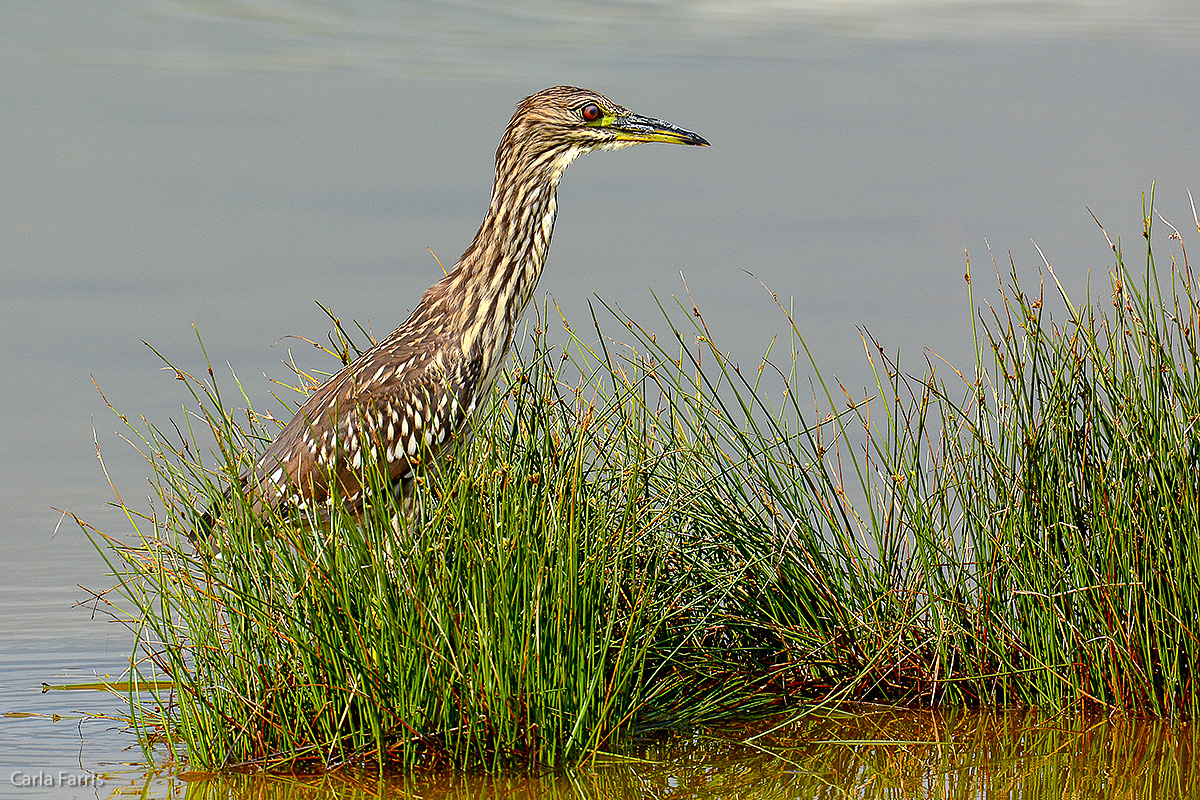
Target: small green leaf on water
{"type": "Point", "coordinates": [110, 686]}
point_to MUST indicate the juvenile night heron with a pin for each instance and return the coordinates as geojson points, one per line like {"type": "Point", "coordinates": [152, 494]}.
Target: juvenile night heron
{"type": "Point", "coordinates": [408, 398]}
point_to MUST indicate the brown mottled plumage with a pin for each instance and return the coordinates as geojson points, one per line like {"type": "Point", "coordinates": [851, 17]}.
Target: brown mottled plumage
{"type": "Point", "coordinates": [409, 397]}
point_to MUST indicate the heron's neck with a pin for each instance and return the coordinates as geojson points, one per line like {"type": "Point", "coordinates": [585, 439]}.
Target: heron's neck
{"type": "Point", "coordinates": [497, 275]}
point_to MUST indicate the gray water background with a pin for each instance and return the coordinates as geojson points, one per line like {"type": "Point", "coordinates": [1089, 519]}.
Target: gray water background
{"type": "Point", "coordinates": [224, 164]}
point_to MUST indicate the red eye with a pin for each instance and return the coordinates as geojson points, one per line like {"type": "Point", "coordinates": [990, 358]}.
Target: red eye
{"type": "Point", "coordinates": [590, 112]}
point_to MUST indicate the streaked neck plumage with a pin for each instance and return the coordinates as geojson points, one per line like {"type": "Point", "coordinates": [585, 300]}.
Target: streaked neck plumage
{"type": "Point", "coordinates": [496, 276]}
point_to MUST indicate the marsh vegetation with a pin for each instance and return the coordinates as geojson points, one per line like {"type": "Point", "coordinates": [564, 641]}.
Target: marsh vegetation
{"type": "Point", "coordinates": [646, 536]}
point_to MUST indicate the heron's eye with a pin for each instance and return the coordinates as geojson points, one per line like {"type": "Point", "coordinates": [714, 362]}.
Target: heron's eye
{"type": "Point", "coordinates": [590, 112]}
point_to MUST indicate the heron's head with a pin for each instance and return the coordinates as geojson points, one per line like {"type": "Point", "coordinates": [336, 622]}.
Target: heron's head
{"type": "Point", "coordinates": [552, 127]}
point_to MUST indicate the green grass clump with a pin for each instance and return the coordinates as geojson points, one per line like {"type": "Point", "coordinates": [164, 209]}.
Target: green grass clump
{"type": "Point", "coordinates": [646, 535]}
{"type": "Point", "coordinates": [1035, 523]}
{"type": "Point", "coordinates": [1080, 486]}
{"type": "Point", "coordinates": [517, 613]}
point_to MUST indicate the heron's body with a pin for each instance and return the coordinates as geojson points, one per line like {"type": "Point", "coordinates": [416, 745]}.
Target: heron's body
{"type": "Point", "coordinates": [409, 397]}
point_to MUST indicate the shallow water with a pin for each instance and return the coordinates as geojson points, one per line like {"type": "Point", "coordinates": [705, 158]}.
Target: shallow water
{"type": "Point", "coordinates": [876, 753]}
{"type": "Point", "coordinates": [165, 163]}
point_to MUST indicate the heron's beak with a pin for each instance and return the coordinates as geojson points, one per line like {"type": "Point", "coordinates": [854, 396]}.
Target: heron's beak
{"type": "Point", "coordinates": [636, 128]}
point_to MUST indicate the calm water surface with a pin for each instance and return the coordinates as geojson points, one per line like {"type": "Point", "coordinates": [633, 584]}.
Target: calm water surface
{"type": "Point", "coordinates": [224, 164]}
{"type": "Point", "coordinates": [876, 753]}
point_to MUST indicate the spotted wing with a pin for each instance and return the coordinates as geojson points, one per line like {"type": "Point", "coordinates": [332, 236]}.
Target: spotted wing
{"type": "Point", "coordinates": [399, 403]}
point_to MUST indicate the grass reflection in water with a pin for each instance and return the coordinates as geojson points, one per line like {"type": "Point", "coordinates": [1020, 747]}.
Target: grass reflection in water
{"type": "Point", "coordinates": [870, 753]}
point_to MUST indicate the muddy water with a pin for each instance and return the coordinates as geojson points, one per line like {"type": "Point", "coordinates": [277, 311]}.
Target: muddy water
{"type": "Point", "coordinates": [874, 753]}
